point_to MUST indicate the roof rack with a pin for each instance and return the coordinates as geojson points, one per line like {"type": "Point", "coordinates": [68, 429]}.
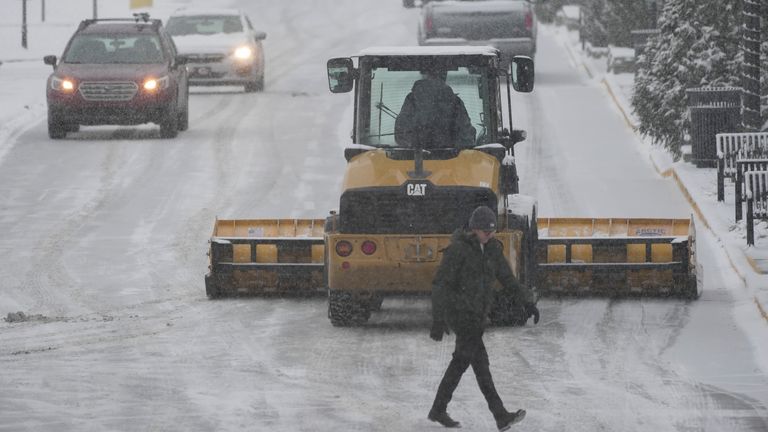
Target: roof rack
{"type": "Point", "coordinates": [138, 18]}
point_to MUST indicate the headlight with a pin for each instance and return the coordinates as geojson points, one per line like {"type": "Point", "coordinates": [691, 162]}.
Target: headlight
{"type": "Point", "coordinates": [63, 85]}
{"type": "Point", "coordinates": [154, 84]}
{"type": "Point", "coordinates": [243, 53]}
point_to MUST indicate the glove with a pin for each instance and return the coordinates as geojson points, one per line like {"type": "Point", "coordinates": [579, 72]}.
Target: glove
{"type": "Point", "coordinates": [437, 332]}
{"type": "Point", "coordinates": [532, 311]}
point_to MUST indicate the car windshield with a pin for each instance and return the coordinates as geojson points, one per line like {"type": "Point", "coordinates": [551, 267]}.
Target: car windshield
{"type": "Point", "coordinates": [204, 25]}
{"type": "Point", "coordinates": [388, 90]}
{"type": "Point", "coordinates": [114, 48]}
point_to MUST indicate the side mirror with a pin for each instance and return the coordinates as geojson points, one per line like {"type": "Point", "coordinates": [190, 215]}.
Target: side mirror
{"type": "Point", "coordinates": [509, 140]}
{"type": "Point", "coordinates": [259, 35]}
{"type": "Point", "coordinates": [50, 60]}
{"type": "Point", "coordinates": [341, 75]}
{"type": "Point", "coordinates": [518, 135]}
{"type": "Point", "coordinates": [522, 74]}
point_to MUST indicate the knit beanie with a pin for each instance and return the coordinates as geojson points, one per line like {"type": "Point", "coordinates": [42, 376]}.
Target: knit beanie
{"type": "Point", "coordinates": [483, 218]}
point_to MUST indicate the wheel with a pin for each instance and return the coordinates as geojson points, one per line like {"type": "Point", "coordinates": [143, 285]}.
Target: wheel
{"type": "Point", "coordinates": [408, 3]}
{"type": "Point", "coordinates": [375, 303]}
{"type": "Point", "coordinates": [183, 122]}
{"type": "Point", "coordinates": [344, 310]}
{"type": "Point", "coordinates": [73, 127]}
{"type": "Point", "coordinates": [57, 128]}
{"type": "Point", "coordinates": [255, 86]}
{"type": "Point", "coordinates": [169, 125]}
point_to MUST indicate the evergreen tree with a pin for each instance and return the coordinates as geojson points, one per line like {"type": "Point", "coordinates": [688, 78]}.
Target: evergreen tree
{"type": "Point", "coordinates": [698, 46]}
{"type": "Point", "coordinates": [623, 16]}
{"type": "Point", "coordinates": [595, 31]}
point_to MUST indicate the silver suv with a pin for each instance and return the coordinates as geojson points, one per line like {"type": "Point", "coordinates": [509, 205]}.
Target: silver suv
{"type": "Point", "coordinates": [221, 47]}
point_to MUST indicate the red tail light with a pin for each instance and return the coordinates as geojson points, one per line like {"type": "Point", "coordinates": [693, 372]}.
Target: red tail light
{"type": "Point", "coordinates": [529, 21]}
{"type": "Point", "coordinates": [428, 23]}
{"type": "Point", "coordinates": [343, 248]}
{"type": "Point", "coordinates": [368, 247]}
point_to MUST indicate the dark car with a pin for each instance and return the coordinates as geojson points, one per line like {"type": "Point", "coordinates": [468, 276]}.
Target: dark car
{"type": "Point", "coordinates": [507, 25]}
{"type": "Point", "coordinates": [118, 71]}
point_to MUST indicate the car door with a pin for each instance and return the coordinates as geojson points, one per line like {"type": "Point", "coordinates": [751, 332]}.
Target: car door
{"type": "Point", "coordinates": [178, 71]}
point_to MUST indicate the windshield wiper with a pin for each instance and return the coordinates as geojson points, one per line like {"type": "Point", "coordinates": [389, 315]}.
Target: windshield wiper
{"type": "Point", "coordinates": [386, 110]}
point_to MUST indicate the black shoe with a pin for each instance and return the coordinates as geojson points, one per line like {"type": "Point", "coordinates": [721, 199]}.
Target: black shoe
{"type": "Point", "coordinates": [444, 419]}
{"type": "Point", "coordinates": [507, 420]}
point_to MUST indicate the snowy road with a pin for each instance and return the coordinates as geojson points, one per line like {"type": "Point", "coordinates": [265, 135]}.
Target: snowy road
{"type": "Point", "coordinates": [104, 241]}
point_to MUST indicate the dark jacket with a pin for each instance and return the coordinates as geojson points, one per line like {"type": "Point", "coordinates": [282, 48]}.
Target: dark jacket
{"type": "Point", "coordinates": [435, 117]}
{"type": "Point", "coordinates": [463, 288]}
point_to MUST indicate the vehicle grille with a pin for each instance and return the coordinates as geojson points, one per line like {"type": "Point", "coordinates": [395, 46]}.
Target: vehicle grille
{"type": "Point", "coordinates": [205, 58]}
{"type": "Point", "coordinates": [441, 210]}
{"type": "Point", "coordinates": [108, 91]}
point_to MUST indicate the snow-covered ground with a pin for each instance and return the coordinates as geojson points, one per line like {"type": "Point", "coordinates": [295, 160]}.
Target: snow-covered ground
{"type": "Point", "coordinates": [104, 240]}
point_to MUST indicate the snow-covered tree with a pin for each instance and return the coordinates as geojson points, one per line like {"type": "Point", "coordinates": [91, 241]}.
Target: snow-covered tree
{"type": "Point", "coordinates": [698, 46]}
{"type": "Point", "coordinates": [623, 16]}
{"type": "Point", "coordinates": [594, 28]}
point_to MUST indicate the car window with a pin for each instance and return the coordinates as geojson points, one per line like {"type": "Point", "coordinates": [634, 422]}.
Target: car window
{"type": "Point", "coordinates": [204, 25]}
{"type": "Point", "coordinates": [390, 87]}
{"type": "Point", "coordinates": [114, 48]}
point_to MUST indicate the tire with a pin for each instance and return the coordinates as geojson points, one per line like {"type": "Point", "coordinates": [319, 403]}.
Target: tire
{"type": "Point", "coordinates": [57, 128]}
{"type": "Point", "coordinates": [255, 86]}
{"type": "Point", "coordinates": [345, 311]}
{"type": "Point", "coordinates": [183, 122]}
{"type": "Point", "coordinates": [73, 127]}
{"type": "Point", "coordinates": [408, 3]}
{"type": "Point", "coordinates": [169, 125]}
{"type": "Point", "coordinates": [374, 304]}
{"type": "Point", "coordinates": [250, 87]}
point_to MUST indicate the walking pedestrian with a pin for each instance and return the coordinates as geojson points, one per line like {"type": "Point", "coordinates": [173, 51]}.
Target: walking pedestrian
{"type": "Point", "coordinates": [462, 297]}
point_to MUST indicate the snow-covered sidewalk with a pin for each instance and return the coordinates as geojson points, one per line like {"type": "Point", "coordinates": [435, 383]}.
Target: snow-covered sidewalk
{"type": "Point", "coordinates": [698, 184]}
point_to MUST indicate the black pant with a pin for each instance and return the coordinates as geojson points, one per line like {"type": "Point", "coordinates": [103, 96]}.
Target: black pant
{"type": "Point", "coordinates": [470, 350]}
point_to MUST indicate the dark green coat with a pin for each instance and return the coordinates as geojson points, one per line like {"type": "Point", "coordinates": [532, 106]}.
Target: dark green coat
{"type": "Point", "coordinates": [463, 288]}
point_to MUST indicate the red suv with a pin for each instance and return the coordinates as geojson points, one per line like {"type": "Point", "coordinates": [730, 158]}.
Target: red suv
{"type": "Point", "coordinates": [118, 71]}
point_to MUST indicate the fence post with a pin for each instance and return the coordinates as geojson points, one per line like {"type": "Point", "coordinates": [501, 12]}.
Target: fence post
{"type": "Point", "coordinates": [24, 24]}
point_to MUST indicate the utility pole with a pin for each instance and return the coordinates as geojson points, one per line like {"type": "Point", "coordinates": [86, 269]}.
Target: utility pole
{"type": "Point", "coordinates": [42, 10]}
{"type": "Point", "coordinates": [750, 75]}
{"type": "Point", "coordinates": [24, 24]}
{"type": "Point", "coordinates": [95, 9]}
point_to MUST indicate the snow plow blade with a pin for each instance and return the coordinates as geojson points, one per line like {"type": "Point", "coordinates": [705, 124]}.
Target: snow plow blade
{"type": "Point", "coordinates": [616, 257]}
{"type": "Point", "coordinates": [266, 257]}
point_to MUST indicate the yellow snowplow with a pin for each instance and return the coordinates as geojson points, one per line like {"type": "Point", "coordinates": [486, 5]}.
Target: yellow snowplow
{"type": "Point", "coordinates": [267, 256]}
{"type": "Point", "coordinates": [616, 257]}
{"type": "Point", "coordinates": [399, 207]}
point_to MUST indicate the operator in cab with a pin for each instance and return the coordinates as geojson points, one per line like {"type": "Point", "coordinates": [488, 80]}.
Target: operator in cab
{"type": "Point", "coordinates": [433, 116]}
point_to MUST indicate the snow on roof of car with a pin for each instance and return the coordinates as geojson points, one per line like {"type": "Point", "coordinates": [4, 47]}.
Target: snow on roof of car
{"type": "Point", "coordinates": [428, 50]}
{"type": "Point", "coordinates": [205, 11]}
